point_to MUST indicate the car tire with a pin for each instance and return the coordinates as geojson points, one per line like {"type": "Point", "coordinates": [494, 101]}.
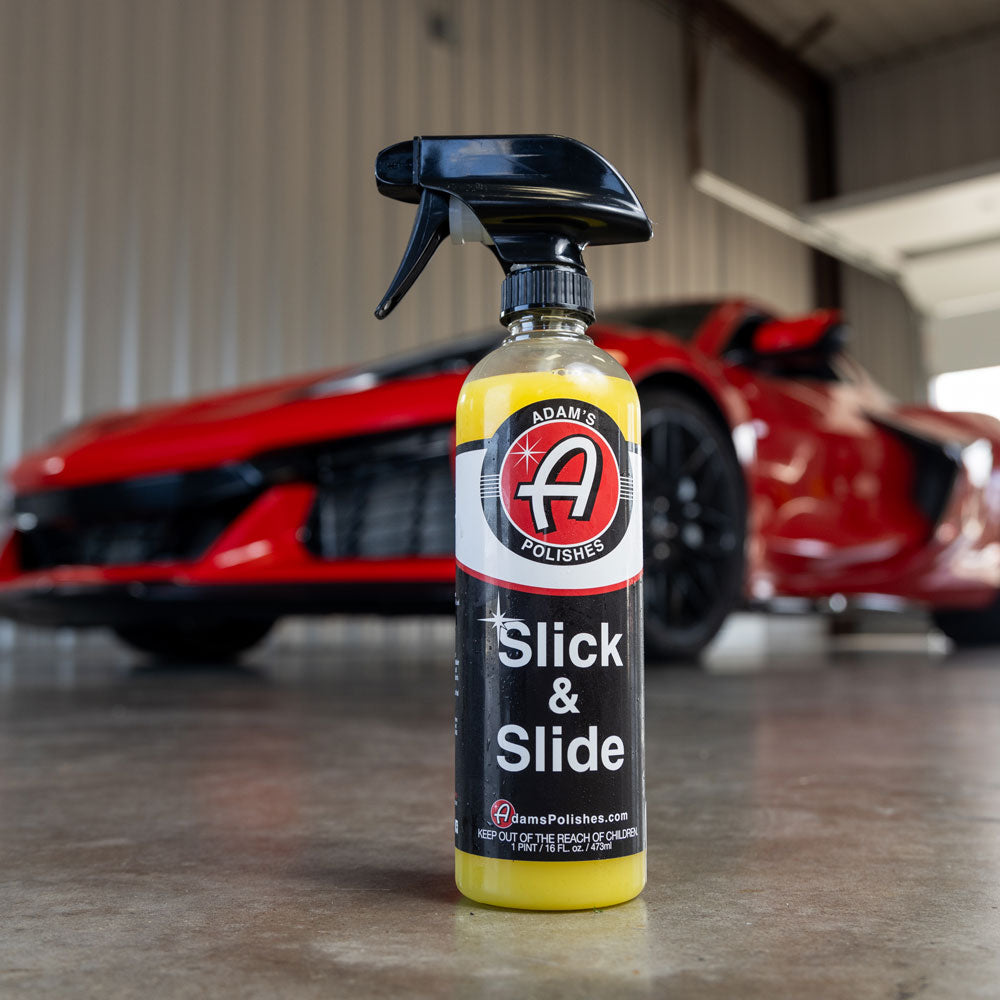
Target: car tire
{"type": "Point", "coordinates": [195, 642]}
{"type": "Point", "coordinates": [971, 626]}
{"type": "Point", "coordinates": [694, 524]}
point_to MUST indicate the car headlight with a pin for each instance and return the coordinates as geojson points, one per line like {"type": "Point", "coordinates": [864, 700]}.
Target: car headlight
{"type": "Point", "coordinates": [10, 519]}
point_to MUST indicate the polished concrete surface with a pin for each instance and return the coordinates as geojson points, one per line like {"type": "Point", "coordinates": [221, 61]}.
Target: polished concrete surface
{"type": "Point", "coordinates": [821, 824]}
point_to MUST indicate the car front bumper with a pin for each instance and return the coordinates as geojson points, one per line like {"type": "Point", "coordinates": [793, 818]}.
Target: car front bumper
{"type": "Point", "coordinates": [259, 566]}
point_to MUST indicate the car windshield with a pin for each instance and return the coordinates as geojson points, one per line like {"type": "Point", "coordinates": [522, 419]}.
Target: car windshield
{"type": "Point", "coordinates": [681, 321]}
{"type": "Point", "coordinates": [456, 356]}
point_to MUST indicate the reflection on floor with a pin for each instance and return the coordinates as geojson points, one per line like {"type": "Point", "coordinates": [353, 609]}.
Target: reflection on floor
{"type": "Point", "coordinates": [824, 820]}
{"type": "Point", "coordinates": [750, 642]}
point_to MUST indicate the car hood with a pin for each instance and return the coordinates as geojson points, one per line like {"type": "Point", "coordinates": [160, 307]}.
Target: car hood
{"type": "Point", "coordinates": [233, 426]}
{"type": "Point", "coordinates": [403, 392]}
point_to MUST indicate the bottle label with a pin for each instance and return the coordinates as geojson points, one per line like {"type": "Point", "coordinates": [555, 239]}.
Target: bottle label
{"type": "Point", "coordinates": [549, 501]}
{"type": "Point", "coordinates": [549, 761]}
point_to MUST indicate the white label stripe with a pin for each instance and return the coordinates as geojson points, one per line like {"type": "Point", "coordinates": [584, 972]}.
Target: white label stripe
{"type": "Point", "coordinates": [482, 552]}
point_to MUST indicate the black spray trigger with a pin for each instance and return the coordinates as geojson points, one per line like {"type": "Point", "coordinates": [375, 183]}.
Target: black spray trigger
{"type": "Point", "coordinates": [429, 228]}
{"type": "Point", "coordinates": [537, 201]}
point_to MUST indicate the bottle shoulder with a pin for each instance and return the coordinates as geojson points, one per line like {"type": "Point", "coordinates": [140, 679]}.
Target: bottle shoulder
{"type": "Point", "coordinates": [525, 373]}
{"type": "Point", "coordinates": [564, 356]}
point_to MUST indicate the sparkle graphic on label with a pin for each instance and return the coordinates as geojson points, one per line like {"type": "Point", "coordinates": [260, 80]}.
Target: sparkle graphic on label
{"type": "Point", "coordinates": [527, 454]}
{"type": "Point", "coordinates": [499, 620]}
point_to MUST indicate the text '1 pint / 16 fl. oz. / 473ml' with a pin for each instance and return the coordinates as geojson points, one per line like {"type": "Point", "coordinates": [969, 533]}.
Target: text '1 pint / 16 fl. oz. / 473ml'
{"type": "Point", "coordinates": [549, 772]}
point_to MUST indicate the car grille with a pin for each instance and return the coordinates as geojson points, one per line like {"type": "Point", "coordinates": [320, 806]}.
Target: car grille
{"type": "Point", "coordinates": [377, 497]}
{"type": "Point", "coordinates": [169, 518]}
{"type": "Point", "coordinates": [391, 496]}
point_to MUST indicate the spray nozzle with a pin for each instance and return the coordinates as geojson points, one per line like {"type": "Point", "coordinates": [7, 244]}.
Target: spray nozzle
{"type": "Point", "coordinates": [536, 200]}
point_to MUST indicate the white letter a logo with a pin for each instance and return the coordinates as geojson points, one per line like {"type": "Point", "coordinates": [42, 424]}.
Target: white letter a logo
{"type": "Point", "coordinates": [543, 488]}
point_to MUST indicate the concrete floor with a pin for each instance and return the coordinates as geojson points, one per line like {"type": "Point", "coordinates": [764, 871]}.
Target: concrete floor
{"type": "Point", "coordinates": [821, 824]}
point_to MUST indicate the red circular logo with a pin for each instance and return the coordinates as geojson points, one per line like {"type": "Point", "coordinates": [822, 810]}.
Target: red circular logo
{"type": "Point", "coordinates": [559, 483]}
{"type": "Point", "coordinates": [502, 813]}
{"type": "Point", "coordinates": [556, 483]}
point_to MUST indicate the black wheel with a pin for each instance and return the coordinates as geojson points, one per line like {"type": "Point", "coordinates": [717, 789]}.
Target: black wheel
{"type": "Point", "coordinates": [973, 626]}
{"type": "Point", "coordinates": [694, 517]}
{"type": "Point", "coordinates": [195, 641]}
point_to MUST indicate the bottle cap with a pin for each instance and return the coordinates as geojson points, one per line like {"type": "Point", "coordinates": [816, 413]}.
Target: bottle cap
{"type": "Point", "coordinates": [530, 288]}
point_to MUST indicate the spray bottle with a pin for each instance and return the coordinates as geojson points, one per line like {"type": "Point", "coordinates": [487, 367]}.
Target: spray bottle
{"type": "Point", "coordinates": [550, 800]}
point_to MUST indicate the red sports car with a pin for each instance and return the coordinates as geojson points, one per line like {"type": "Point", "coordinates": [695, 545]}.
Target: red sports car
{"type": "Point", "coordinates": [773, 466]}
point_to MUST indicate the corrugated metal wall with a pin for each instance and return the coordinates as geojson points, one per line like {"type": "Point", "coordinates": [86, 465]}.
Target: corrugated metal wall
{"type": "Point", "coordinates": [885, 334]}
{"type": "Point", "coordinates": [924, 116]}
{"type": "Point", "coordinates": [186, 195]}
{"type": "Point", "coordinates": [905, 121]}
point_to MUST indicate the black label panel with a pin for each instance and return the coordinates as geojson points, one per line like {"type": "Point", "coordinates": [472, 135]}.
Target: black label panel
{"type": "Point", "coordinates": [549, 761]}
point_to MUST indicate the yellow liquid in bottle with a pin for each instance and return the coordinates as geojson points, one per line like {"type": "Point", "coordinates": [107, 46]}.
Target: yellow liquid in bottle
{"type": "Point", "coordinates": [483, 406]}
